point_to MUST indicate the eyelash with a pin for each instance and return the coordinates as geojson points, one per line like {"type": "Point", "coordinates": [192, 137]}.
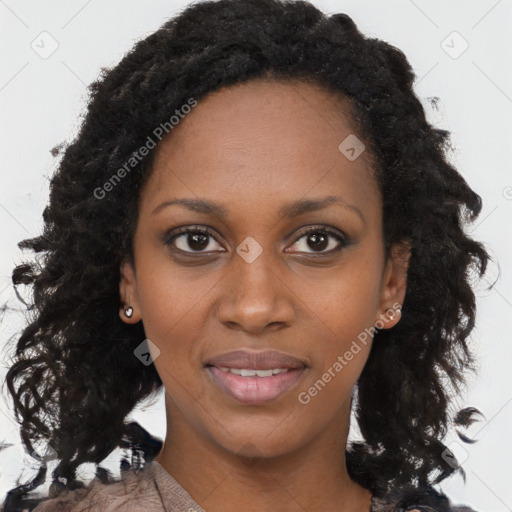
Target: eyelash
{"type": "Point", "coordinates": [343, 240]}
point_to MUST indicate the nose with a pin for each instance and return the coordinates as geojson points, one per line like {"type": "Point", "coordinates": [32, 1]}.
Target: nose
{"type": "Point", "coordinates": [255, 296]}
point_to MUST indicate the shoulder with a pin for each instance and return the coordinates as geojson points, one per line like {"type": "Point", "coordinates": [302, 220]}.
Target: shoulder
{"type": "Point", "coordinates": [414, 499]}
{"type": "Point", "coordinates": [135, 492]}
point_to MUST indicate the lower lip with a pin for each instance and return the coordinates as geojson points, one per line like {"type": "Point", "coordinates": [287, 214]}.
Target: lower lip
{"type": "Point", "coordinates": [255, 390]}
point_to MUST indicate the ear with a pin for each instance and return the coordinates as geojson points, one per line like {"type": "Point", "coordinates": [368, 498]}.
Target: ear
{"type": "Point", "coordinates": [128, 294]}
{"type": "Point", "coordinates": [394, 283]}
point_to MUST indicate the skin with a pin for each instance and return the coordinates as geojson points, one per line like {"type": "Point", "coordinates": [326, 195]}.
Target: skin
{"type": "Point", "coordinates": [254, 147]}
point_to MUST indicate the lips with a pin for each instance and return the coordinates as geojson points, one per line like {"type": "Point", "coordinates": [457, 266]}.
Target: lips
{"type": "Point", "coordinates": [266, 360]}
{"type": "Point", "coordinates": [255, 377]}
{"type": "Point", "coordinates": [255, 390]}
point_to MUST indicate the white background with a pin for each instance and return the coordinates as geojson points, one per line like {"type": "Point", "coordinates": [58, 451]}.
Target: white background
{"type": "Point", "coordinates": [41, 101]}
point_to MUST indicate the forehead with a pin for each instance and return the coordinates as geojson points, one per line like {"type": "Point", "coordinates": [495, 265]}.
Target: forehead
{"type": "Point", "coordinates": [264, 136]}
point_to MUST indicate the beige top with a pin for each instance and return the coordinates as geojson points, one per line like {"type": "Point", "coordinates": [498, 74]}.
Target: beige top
{"type": "Point", "coordinates": [151, 490]}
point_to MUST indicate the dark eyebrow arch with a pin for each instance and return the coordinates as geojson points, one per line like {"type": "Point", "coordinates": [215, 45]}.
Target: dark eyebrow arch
{"type": "Point", "coordinates": [195, 205]}
{"type": "Point", "coordinates": [290, 210]}
{"type": "Point", "coordinates": [302, 206]}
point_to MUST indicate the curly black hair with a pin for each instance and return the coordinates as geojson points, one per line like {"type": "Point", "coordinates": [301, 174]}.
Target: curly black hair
{"type": "Point", "coordinates": [76, 354]}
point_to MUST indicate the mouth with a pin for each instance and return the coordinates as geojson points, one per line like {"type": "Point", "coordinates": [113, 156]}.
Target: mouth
{"type": "Point", "coordinates": [252, 377]}
{"type": "Point", "coordinates": [252, 386]}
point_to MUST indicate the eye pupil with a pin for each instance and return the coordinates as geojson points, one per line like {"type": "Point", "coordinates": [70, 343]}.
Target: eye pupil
{"type": "Point", "coordinates": [195, 239]}
{"type": "Point", "coordinates": [320, 241]}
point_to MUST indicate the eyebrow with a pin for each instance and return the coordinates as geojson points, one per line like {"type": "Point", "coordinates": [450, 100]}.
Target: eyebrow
{"type": "Point", "coordinates": [289, 210]}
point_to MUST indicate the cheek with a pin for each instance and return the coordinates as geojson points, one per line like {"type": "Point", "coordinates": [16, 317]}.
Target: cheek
{"type": "Point", "coordinates": [170, 298]}
{"type": "Point", "coordinates": [343, 301]}
{"type": "Point", "coordinates": [173, 316]}
{"type": "Point", "coordinates": [338, 362]}
{"type": "Point", "coordinates": [341, 327]}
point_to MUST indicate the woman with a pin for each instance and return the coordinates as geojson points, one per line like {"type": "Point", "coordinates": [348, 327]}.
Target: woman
{"type": "Point", "coordinates": [256, 216]}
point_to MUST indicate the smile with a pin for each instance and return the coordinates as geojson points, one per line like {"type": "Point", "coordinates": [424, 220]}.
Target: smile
{"type": "Point", "coordinates": [245, 372]}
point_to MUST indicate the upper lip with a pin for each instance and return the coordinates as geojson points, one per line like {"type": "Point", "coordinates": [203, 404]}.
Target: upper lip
{"type": "Point", "coordinates": [266, 360]}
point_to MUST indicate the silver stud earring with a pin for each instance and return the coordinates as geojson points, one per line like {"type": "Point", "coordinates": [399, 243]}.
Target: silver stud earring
{"type": "Point", "coordinates": [128, 312]}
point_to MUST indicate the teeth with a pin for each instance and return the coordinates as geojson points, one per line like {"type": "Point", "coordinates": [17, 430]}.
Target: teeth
{"type": "Point", "coordinates": [245, 372]}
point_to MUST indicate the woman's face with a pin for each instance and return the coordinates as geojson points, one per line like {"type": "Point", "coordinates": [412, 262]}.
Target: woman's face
{"type": "Point", "coordinates": [259, 166]}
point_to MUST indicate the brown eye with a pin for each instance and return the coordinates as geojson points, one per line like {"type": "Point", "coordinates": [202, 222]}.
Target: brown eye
{"type": "Point", "coordinates": [318, 241]}
{"type": "Point", "coordinates": [196, 239]}
{"type": "Point", "coordinates": [320, 238]}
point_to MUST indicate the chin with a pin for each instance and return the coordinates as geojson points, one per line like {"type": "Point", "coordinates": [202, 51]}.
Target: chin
{"type": "Point", "coordinates": [258, 443]}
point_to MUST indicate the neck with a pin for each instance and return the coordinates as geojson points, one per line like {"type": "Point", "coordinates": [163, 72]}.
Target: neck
{"type": "Point", "coordinates": [313, 477]}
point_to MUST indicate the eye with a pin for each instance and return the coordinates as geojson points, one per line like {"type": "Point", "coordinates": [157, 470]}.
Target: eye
{"type": "Point", "coordinates": [197, 238]}
{"type": "Point", "coordinates": [317, 238]}
{"type": "Point", "coordinates": [194, 238]}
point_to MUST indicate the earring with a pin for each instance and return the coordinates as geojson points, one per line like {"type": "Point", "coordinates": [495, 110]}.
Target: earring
{"type": "Point", "coordinates": [128, 312]}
